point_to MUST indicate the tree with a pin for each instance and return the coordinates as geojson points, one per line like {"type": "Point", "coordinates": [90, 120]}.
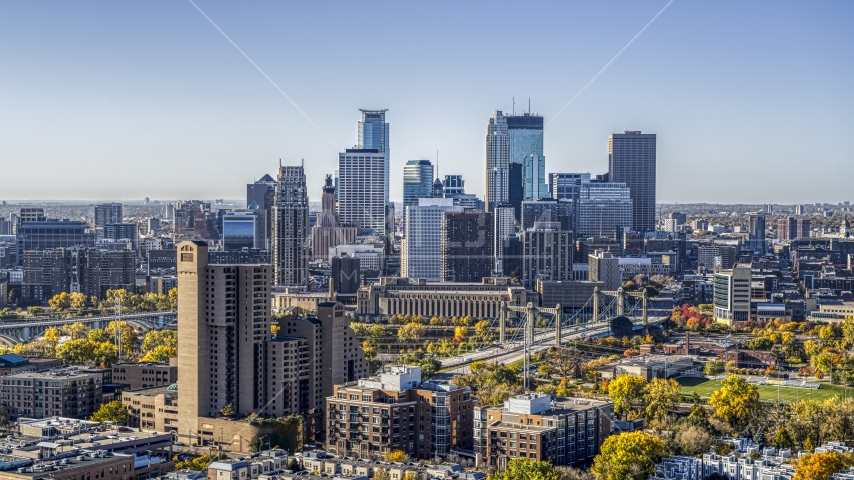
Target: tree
{"type": "Point", "coordinates": [77, 300]}
{"type": "Point", "coordinates": [693, 440]}
{"type": "Point", "coordinates": [630, 455]}
{"type": "Point", "coordinates": [227, 410]}
{"type": "Point", "coordinates": [129, 337]}
{"type": "Point", "coordinates": [398, 456]}
{"type": "Point", "coordinates": [380, 474]}
{"type": "Point", "coordinates": [735, 401]}
{"type": "Point", "coordinates": [99, 335]}
{"type": "Point", "coordinates": [51, 340]}
{"type": "Point", "coordinates": [572, 473]}
{"type": "Point", "coordinates": [714, 367]}
{"type": "Point", "coordinates": [660, 396]}
{"type": "Point", "coordinates": [482, 328]}
{"type": "Point", "coordinates": [160, 353]}
{"type": "Point", "coordinates": [105, 354]}
{"type": "Point", "coordinates": [461, 332]}
{"type": "Point", "coordinates": [59, 302]}
{"type": "Point", "coordinates": [411, 332]}
{"type": "Point", "coordinates": [782, 439]}
{"type": "Point", "coordinates": [624, 390]}
{"type": "Point", "coordinates": [378, 331]}
{"type": "Point", "coordinates": [76, 330]}
{"type": "Point", "coordinates": [4, 418]}
{"type": "Point", "coordinates": [819, 466]}
{"type": "Point", "coordinates": [527, 469]}
{"type": "Point", "coordinates": [111, 412]}
{"type": "Point", "coordinates": [157, 338]}
{"type": "Point", "coordinates": [75, 352]}
{"type": "Point", "coordinates": [546, 369]}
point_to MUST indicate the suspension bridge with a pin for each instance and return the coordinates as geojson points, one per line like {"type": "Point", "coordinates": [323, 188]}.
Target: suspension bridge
{"type": "Point", "coordinates": [12, 333]}
{"type": "Point", "coordinates": [534, 328]}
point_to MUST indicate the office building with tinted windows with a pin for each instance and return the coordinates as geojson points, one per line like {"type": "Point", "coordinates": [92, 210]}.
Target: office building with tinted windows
{"type": "Point", "coordinates": [373, 130]}
{"type": "Point", "coordinates": [107, 213]}
{"type": "Point", "coordinates": [417, 181]}
{"type": "Point", "coordinates": [632, 160]}
{"type": "Point", "coordinates": [51, 233]}
{"type": "Point", "coordinates": [242, 229]}
{"type": "Point", "coordinates": [467, 246]}
{"type": "Point", "coordinates": [363, 188]}
{"type": "Point", "coordinates": [604, 210]}
{"type": "Point", "coordinates": [566, 185]}
{"type": "Point", "coordinates": [454, 185]}
{"type": "Point", "coordinates": [421, 253]}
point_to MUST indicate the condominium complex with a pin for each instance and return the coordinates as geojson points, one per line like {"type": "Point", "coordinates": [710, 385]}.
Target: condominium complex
{"type": "Point", "coordinates": [86, 270]}
{"type": "Point", "coordinates": [632, 160]}
{"type": "Point", "coordinates": [62, 392]}
{"type": "Point", "coordinates": [604, 210]}
{"type": "Point", "coordinates": [108, 213]}
{"type": "Point", "coordinates": [547, 252]}
{"type": "Point", "coordinates": [563, 431]}
{"type": "Point", "coordinates": [732, 294]}
{"type": "Point", "coordinates": [396, 410]}
{"type": "Point", "coordinates": [289, 253]}
{"type": "Point", "coordinates": [756, 235]}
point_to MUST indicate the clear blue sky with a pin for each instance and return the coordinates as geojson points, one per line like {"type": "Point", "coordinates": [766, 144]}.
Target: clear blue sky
{"type": "Point", "coordinates": [751, 101]}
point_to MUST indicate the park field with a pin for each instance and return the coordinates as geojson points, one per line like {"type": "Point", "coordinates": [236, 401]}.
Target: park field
{"type": "Point", "coordinates": [767, 393]}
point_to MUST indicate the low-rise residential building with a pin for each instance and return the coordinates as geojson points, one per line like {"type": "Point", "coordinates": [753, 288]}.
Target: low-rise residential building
{"type": "Point", "coordinates": [564, 431]}
{"type": "Point", "coordinates": [259, 465]}
{"type": "Point", "coordinates": [679, 468]}
{"type": "Point", "coordinates": [146, 374]}
{"type": "Point", "coordinates": [396, 410]}
{"type": "Point", "coordinates": [64, 392]}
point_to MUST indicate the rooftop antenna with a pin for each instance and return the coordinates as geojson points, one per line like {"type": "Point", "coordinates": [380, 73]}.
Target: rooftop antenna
{"type": "Point", "coordinates": [514, 106]}
{"type": "Point", "coordinates": [280, 162]}
{"type": "Point", "coordinates": [529, 105]}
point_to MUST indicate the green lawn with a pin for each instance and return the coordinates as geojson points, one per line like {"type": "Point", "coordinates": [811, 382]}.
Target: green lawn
{"type": "Point", "coordinates": [768, 393]}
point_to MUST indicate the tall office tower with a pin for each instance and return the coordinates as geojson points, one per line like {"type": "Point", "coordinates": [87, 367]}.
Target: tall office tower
{"type": "Point", "coordinates": [467, 246]}
{"type": "Point", "coordinates": [546, 253]}
{"type": "Point", "coordinates": [787, 229]}
{"type": "Point", "coordinates": [535, 177]}
{"type": "Point", "coordinates": [290, 228]}
{"type": "Point", "coordinates": [224, 318]}
{"type": "Point", "coordinates": [732, 294]}
{"type": "Point", "coordinates": [756, 236]}
{"type": "Point", "coordinates": [122, 231]}
{"type": "Point", "coordinates": [566, 185]}
{"type": "Point", "coordinates": [373, 130]}
{"type": "Point", "coordinates": [107, 213]}
{"type": "Point", "coordinates": [363, 188]}
{"type": "Point", "coordinates": [327, 231]}
{"type": "Point", "coordinates": [548, 210]}
{"type": "Point", "coordinates": [516, 187]}
{"type": "Point", "coordinates": [417, 181]}
{"type": "Point", "coordinates": [504, 220]}
{"type": "Point", "coordinates": [497, 161]}
{"type": "Point", "coordinates": [454, 185]}
{"type": "Point", "coordinates": [438, 189]}
{"type": "Point", "coordinates": [680, 218]}
{"type": "Point", "coordinates": [345, 275]}
{"type": "Point", "coordinates": [799, 209]}
{"type": "Point", "coordinates": [631, 160]}
{"type": "Point", "coordinates": [423, 232]}
{"type": "Point", "coordinates": [803, 229]}
{"type": "Point", "coordinates": [604, 210]}
{"type": "Point", "coordinates": [5, 227]}
{"type": "Point", "coordinates": [261, 197]}
{"type": "Point", "coordinates": [242, 229]}
{"type": "Point", "coordinates": [604, 267]}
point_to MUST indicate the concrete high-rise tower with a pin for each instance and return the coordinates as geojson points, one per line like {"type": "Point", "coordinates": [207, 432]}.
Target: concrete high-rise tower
{"type": "Point", "coordinates": [631, 160]}
{"type": "Point", "coordinates": [107, 214]}
{"type": "Point", "coordinates": [497, 161]}
{"type": "Point", "coordinates": [289, 253]}
{"type": "Point", "coordinates": [363, 188]}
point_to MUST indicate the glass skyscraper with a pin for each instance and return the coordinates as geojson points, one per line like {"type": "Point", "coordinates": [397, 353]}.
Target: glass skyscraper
{"type": "Point", "coordinates": [497, 161]}
{"type": "Point", "coordinates": [454, 185]}
{"type": "Point", "coordinates": [525, 134]}
{"type": "Point", "coordinates": [373, 130]}
{"type": "Point", "coordinates": [535, 177]}
{"type": "Point", "coordinates": [417, 181]}
{"type": "Point", "coordinates": [604, 210]}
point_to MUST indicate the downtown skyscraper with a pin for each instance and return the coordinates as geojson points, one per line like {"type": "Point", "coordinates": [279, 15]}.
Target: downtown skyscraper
{"type": "Point", "coordinates": [526, 148]}
{"type": "Point", "coordinates": [363, 176]}
{"type": "Point", "coordinates": [373, 130]}
{"type": "Point", "coordinates": [289, 253]}
{"type": "Point", "coordinates": [497, 161]}
{"type": "Point", "coordinates": [631, 160]}
{"type": "Point", "coordinates": [417, 181]}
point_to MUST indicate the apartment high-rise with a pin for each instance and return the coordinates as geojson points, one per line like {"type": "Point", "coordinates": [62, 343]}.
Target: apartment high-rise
{"type": "Point", "coordinates": [122, 231]}
{"type": "Point", "coordinates": [423, 232]}
{"type": "Point", "coordinates": [417, 181]}
{"type": "Point", "coordinates": [327, 231]}
{"type": "Point", "coordinates": [604, 267]}
{"type": "Point", "coordinates": [497, 161]}
{"type": "Point", "coordinates": [756, 236]}
{"type": "Point", "coordinates": [289, 252]}
{"type": "Point", "coordinates": [467, 246]}
{"type": "Point", "coordinates": [604, 210]}
{"type": "Point", "coordinates": [363, 188]}
{"type": "Point", "coordinates": [547, 252]}
{"type": "Point", "coordinates": [75, 269]}
{"type": "Point", "coordinates": [107, 213]}
{"type": "Point", "coordinates": [803, 228]}
{"type": "Point", "coordinates": [787, 229]}
{"type": "Point", "coordinates": [632, 160]}
{"type": "Point", "coordinates": [454, 185]}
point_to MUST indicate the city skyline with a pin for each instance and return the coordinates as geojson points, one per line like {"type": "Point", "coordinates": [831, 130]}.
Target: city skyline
{"type": "Point", "coordinates": [721, 104]}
